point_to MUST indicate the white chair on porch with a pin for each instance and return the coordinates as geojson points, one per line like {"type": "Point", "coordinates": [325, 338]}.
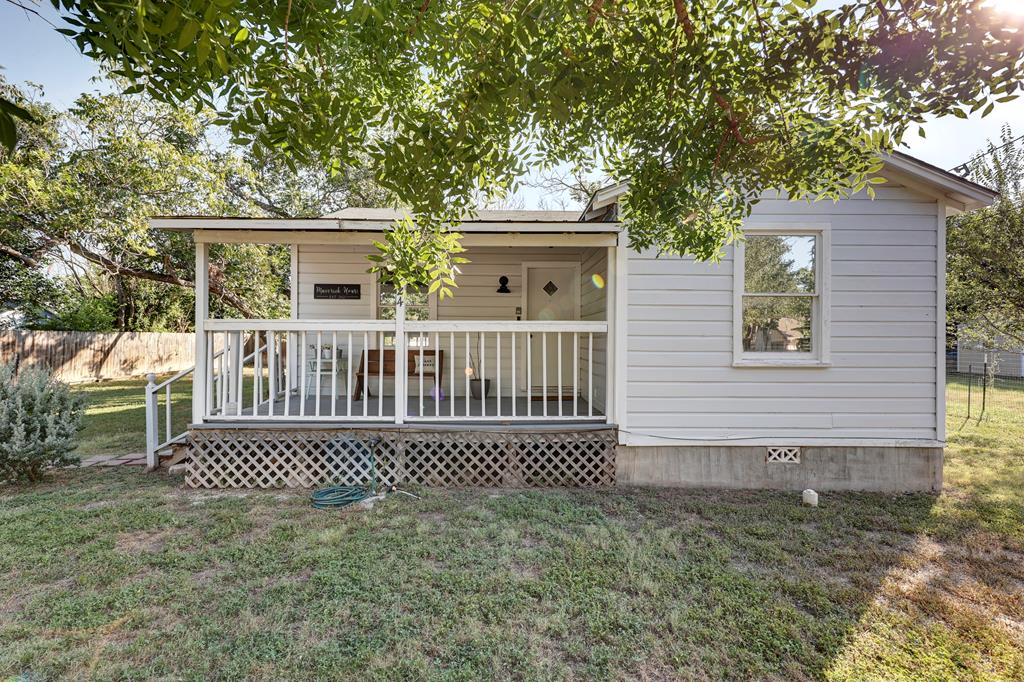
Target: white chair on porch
{"type": "Point", "coordinates": [332, 360]}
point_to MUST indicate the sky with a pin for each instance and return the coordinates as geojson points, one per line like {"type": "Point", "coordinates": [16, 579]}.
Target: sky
{"type": "Point", "coordinates": [31, 50]}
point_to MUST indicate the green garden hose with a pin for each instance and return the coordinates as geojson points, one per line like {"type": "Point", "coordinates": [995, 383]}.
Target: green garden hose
{"type": "Point", "coordinates": [341, 496]}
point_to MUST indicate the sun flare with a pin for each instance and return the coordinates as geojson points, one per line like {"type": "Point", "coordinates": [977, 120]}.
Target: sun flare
{"type": "Point", "coordinates": [1007, 6]}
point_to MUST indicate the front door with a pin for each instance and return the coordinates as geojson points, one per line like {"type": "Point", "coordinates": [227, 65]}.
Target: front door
{"type": "Point", "coordinates": [552, 293]}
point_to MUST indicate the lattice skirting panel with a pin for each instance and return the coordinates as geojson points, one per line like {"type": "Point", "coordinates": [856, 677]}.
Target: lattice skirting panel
{"type": "Point", "coordinates": [278, 458]}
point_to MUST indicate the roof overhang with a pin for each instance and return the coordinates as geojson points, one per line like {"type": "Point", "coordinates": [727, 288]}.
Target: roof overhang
{"type": "Point", "coordinates": [365, 230]}
{"type": "Point", "coordinates": [599, 216]}
{"type": "Point", "coordinates": [603, 199]}
{"type": "Point", "coordinates": [957, 192]}
{"type": "Point", "coordinates": [342, 225]}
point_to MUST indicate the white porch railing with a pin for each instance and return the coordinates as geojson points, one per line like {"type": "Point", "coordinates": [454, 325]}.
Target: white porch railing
{"type": "Point", "coordinates": [153, 426]}
{"type": "Point", "coordinates": [387, 371]}
{"type": "Point", "coordinates": [392, 371]}
{"type": "Point", "coordinates": [501, 371]}
{"type": "Point", "coordinates": [299, 361]}
{"type": "Point", "coordinates": [153, 430]}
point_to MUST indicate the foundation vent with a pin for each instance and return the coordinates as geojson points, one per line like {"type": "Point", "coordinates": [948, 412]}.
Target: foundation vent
{"type": "Point", "coordinates": [782, 456]}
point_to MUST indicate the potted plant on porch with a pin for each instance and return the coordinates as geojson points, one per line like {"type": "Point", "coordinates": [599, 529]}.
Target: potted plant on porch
{"type": "Point", "coordinates": [478, 388]}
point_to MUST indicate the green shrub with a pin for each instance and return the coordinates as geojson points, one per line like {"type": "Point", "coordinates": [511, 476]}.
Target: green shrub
{"type": "Point", "coordinates": [39, 421]}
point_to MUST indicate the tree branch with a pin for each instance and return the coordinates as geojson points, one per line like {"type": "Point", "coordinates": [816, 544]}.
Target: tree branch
{"type": "Point", "coordinates": [683, 17]}
{"type": "Point", "coordinates": [419, 17]}
{"type": "Point", "coordinates": [113, 267]}
{"type": "Point", "coordinates": [19, 256]}
{"type": "Point", "coordinates": [1003, 332]}
{"type": "Point", "coordinates": [267, 206]}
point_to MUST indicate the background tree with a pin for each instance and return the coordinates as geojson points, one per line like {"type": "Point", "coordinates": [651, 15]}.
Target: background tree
{"type": "Point", "coordinates": [985, 254]}
{"type": "Point", "coordinates": [770, 265]}
{"type": "Point", "coordinates": [701, 104]}
{"type": "Point", "coordinates": [77, 191]}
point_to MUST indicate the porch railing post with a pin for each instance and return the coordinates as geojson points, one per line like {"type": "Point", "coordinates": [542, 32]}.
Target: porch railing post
{"type": "Point", "coordinates": [610, 400]}
{"type": "Point", "coordinates": [152, 416]}
{"type": "Point", "coordinates": [401, 362]}
{"type": "Point", "coordinates": [201, 375]}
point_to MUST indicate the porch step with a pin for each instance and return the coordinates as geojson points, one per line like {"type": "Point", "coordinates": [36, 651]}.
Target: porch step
{"type": "Point", "coordinates": [173, 454]}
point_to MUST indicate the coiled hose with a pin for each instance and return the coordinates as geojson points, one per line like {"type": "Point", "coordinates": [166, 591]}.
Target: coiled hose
{"type": "Point", "coordinates": [341, 496]}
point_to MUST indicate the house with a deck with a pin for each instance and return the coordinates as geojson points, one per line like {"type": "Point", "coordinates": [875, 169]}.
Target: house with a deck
{"type": "Point", "coordinates": [811, 355]}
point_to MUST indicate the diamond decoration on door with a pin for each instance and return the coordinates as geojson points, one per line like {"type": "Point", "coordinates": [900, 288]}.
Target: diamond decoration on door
{"type": "Point", "coordinates": [550, 288]}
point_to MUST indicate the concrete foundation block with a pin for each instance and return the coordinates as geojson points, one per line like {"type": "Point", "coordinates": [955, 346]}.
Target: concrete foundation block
{"type": "Point", "coordinates": [881, 469]}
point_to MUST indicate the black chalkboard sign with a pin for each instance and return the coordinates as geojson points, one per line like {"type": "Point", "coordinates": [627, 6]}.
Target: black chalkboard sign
{"type": "Point", "coordinates": [342, 292]}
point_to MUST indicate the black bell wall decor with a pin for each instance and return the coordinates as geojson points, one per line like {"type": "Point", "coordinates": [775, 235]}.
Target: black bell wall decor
{"type": "Point", "coordinates": [503, 285]}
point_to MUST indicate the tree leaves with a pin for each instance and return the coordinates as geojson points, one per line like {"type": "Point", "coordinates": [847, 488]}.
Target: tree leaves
{"type": "Point", "coordinates": [8, 112]}
{"type": "Point", "coordinates": [86, 182]}
{"type": "Point", "coordinates": [416, 254]}
{"type": "Point", "coordinates": [985, 280]}
{"type": "Point", "coordinates": [445, 101]}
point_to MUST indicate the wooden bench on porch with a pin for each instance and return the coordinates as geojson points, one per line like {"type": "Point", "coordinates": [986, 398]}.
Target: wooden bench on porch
{"type": "Point", "coordinates": [371, 363]}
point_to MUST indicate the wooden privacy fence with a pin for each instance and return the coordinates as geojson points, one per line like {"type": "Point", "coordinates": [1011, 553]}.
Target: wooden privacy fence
{"type": "Point", "coordinates": [92, 356]}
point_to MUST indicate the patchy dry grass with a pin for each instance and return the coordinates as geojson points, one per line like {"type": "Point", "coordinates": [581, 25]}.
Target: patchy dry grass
{"type": "Point", "coordinates": [114, 574]}
{"type": "Point", "coordinates": [115, 415]}
{"type": "Point", "coordinates": [953, 606]}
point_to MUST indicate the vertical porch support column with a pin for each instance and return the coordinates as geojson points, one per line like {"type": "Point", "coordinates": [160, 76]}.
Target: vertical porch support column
{"type": "Point", "coordinates": [292, 360]}
{"type": "Point", "coordinates": [618, 268]}
{"type": "Point", "coordinates": [152, 417]}
{"type": "Point", "coordinates": [610, 340]}
{"type": "Point", "coordinates": [401, 363]}
{"type": "Point", "coordinates": [201, 376]}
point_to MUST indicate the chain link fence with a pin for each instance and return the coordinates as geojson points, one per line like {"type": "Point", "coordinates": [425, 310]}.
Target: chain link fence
{"type": "Point", "coordinates": [981, 390]}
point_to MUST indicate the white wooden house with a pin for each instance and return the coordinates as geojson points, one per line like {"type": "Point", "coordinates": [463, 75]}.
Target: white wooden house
{"type": "Point", "coordinates": [810, 356]}
{"type": "Point", "coordinates": [973, 357]}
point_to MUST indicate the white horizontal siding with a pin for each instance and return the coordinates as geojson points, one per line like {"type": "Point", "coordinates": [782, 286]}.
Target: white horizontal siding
{"type": "Point", "coordinates": [866, 359]}
{"type": "Point", "coordinates": [475, 298]}
{"type": "Point", "coordinates": [775, 390]}
{"type": "Point", "coordinates": [672, 372]}
{"type": "Point", "coordinates": [333, 264]}
{"type": "Point", "coordinates": [881, 383]}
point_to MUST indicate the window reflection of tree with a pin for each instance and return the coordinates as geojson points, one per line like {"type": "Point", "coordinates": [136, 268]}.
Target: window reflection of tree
{"type": "Point", "coordinates": [774, 265]}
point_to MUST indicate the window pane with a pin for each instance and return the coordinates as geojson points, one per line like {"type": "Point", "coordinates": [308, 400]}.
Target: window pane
{"type": "Point", "coordinates": [417, 296]}
{"type": "Point", "coordinates": [413, 342]}
{"type": "Point", "coordinates": [388, 296]}
{"type": "Point", "coordinates": [779, 264]}
{"type": "Point", "coordinates": [777, 324]}
{"type": "Point", "coordinates": [417, 313]}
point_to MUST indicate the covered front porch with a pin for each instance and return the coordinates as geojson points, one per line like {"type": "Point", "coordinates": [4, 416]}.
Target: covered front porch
{"type": "Point", "coordinates": [527, 341]}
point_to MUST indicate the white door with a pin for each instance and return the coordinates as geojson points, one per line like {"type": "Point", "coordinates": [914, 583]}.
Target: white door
{"type": "Point", "coordinates": [552, 293]}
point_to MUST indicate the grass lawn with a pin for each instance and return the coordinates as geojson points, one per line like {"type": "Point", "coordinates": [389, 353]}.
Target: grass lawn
{"type": "Point", "coordinates": [115, 574]}
{"type": "Point", "coordinates": [115, 415]}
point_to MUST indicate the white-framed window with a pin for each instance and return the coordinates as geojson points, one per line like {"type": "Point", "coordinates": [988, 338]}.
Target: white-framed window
{"type": "Point", "coordinates": [419, 305]}
{"type": "Point", "coordinates": [781, 297]}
